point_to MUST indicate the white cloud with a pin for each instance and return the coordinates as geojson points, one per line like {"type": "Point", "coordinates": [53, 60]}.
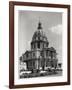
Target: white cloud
{"type": "Point", "coordinates": [57, 29]}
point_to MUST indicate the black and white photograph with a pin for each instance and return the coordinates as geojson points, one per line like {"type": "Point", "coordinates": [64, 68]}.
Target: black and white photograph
{"type": "Point", "coordinates": [40, 44]}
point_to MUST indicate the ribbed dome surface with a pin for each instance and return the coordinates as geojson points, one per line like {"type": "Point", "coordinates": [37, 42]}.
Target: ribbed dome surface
{"type": "Point", "coordinates": [39, 35]}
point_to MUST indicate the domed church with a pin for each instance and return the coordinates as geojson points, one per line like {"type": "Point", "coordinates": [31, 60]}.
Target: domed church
{"type": "Point", "coordinates": [40, 57]}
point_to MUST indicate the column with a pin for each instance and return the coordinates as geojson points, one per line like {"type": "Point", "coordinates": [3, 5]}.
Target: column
{"type": "Point", "coordinates": [45, 63]}
{"type": "Point", "coordinates": [37, 64]}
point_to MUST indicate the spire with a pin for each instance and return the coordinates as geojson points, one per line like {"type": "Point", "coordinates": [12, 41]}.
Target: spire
{"type": "Point", "coordinates": [39, 25]}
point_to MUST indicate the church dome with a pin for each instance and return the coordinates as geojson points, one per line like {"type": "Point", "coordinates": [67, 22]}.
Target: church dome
{"type": "Point", "coordinates": [39, 35]}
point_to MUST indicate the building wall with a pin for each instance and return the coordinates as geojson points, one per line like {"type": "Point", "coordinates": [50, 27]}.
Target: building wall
{"type": "Point", "coordinates": [40, 58]}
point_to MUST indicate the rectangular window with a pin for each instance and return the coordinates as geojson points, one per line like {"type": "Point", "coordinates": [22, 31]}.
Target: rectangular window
{"type": "Point", "coordinates": [46, 44]}
{"type": "Point", "coordinates": [34, 55]}
{"type": "Point", "coordinates": [34, 46]}
{"type": "Point", "coordinates": [49, 53]}
{"type": "Point", "coordinates": [46, 53]}
{"type": "Point", "coordinates": [27, 55]}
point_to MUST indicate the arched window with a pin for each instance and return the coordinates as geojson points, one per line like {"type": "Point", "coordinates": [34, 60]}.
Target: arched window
{"type": "Point", "coordinates": [33, 54]}
{"type": "Point", "coordinates": [27, 55]}
{"type": "Point", "coordinates": [34, 46]}
{"type": "Point", "coordinates": [47, 53]}
{"type": "Point", "coordinates": [46, 44]}
{"type": "Point", "coordinates": [38, 38]}
{"type": "Point", "coordinates": [38, 45]}
{"type": "Point", "coordinates": [43, 45]}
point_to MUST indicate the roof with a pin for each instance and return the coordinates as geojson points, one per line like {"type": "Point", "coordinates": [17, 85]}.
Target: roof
{"type": "Point", "coordinates": [39, 34]}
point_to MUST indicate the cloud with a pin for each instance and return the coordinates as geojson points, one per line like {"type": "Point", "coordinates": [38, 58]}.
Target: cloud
{"type": "Point", "coordinates": [57, 29]}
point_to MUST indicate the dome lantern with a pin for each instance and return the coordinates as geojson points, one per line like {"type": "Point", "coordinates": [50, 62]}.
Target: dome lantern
{"type": "Point", "coordinates": [39, 26]}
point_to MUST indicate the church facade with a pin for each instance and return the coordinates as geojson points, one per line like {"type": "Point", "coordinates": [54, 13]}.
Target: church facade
{"type": "Point", "coordinates": [40, 56]}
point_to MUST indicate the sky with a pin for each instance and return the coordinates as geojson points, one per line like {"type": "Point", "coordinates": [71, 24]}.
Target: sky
{"type": "Point", "coordinates": [51, 24]}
